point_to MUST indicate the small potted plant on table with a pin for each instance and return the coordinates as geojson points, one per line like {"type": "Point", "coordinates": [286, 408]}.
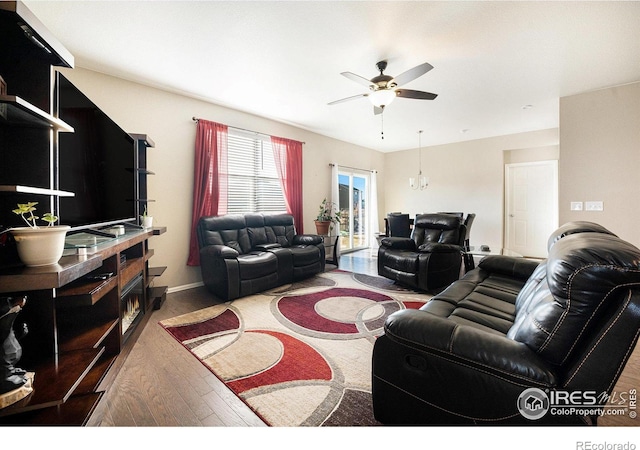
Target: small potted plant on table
{"type": "Point", "coordinates": [327, 215]}
{"type": "Point", "coordinates": [38, 246]}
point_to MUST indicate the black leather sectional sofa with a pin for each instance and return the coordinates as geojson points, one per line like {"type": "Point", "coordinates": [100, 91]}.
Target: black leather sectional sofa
{"type": "Point", "coordinates": [513, 336]}
{"type": "Point", "coordinates": [244, 254]}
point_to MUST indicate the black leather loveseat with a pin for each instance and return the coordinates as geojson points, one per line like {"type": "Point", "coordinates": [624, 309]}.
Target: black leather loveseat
{"type": "Point", "coordinates": [429, 259]}
{"type": "Point", "coordinates": [515, 341]}
{"type": "Point", "coordinates": [245, 254]}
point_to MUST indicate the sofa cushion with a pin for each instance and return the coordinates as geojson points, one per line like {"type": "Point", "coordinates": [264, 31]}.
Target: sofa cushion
{"type": "Point", "coordinates": [280, 229]}
{"type": "Point", "coordinates": [560, 302]}
{"type": "Point", "coordinates": [224, 230]}
{"type": "Point", "coordinates": [257, 236]}
{"type": "Point", "coordinates": [257, 264]}
{"type": "Point", "coordinates": [481, 299]}
{"type": "Point", "coordinates": [442, 228]}
{"type": "Point", "coordinates": [236, 239]}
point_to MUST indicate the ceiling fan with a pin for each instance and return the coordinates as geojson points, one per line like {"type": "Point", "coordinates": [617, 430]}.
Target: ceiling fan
{"type": "Point", "coordinates": [384, 88]}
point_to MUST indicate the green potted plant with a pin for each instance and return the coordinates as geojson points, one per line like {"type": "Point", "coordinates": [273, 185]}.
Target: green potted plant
{"type": "Point", "coordinates": [38, 245]}
{"type": "Point", "coordinates": [146, 220]}
{"type": "Point", "coordinates": [327, 216]}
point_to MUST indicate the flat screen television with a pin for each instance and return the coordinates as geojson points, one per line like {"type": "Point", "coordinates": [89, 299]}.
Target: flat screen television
{"type": "Point", "coordinates": [96, 162]}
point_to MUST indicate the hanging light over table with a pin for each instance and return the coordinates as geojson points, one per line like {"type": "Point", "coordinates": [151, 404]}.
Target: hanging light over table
{"type": "Point", "coordinates": [423, 181]}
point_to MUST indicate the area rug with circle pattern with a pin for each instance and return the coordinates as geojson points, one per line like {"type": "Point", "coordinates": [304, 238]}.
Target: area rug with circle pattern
{"type": "Point", "coordinates": [300, 354]}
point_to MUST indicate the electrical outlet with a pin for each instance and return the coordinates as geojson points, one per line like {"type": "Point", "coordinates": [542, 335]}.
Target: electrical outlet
{"type": "Point", "coordinates": [594, 206]}
{"type": "Point", "coordinates": [576, 206]}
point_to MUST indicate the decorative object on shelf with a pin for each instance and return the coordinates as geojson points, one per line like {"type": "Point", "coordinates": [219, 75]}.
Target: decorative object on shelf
{"type": "Point", "coordinates": [13, 380]}
{"type": "Point", "coordinates": [38, 246]}
{"type": "Point", "coordinates": [423, 181]}
{"type": "Point", "coordinates": [146, 220]}
{"type": "Point", "coordinates": [327, 215]}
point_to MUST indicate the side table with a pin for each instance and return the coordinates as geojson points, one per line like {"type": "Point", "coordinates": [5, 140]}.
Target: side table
{"type": "Point", "coordinates": [469, 260]}
{"type": "Point", "coordinates": [332, 256]}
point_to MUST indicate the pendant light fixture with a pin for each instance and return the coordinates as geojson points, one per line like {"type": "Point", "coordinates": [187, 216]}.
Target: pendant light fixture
{"type": "Point", "coordinates": [423, 181]}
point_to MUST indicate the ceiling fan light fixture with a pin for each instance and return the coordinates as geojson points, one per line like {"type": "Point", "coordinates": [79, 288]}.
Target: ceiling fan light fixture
{"type": "Point", "coordinates": [382, 97]}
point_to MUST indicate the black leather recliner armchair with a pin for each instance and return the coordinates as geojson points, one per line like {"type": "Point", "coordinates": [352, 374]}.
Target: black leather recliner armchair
{"type": "Point", "coordinates": [493, 345]}
{"type": "Point", "coordinates": [245, 254]}
{"type": "Point", "coordinates": [430, 258]}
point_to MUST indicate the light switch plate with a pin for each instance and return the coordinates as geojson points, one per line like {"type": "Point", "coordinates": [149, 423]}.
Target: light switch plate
{"type": "Point", "coordinates": [594, 206]}
{"type": "Point", "coordinates": [576, 206]}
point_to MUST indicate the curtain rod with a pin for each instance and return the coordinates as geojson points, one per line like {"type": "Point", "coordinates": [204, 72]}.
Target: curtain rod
{"type": "Point", "coordinates": [195, 119]}
{"type": "Point", "coordinates": [354, 168]}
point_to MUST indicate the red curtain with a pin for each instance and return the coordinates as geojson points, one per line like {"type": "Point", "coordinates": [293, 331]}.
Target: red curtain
{"type": "Point", "coordinates": [288, 157]}
{"type": "Point", "coordinates": [210, 179]}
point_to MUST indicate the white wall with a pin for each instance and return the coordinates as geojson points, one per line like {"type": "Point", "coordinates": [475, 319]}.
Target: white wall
{"type": "Point", "coordinates": [600, 158]}
{"type": "Point", "coordinates": [167, 119]}
{"type": "Point", "coordinates": [464, 176]}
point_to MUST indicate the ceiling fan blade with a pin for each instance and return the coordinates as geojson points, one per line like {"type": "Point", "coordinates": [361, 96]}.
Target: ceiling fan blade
{"type": "Point", "coordinates": [357, 79]}
{"type": "Point", "coordinates": [377, 110]}
{"type": "Point", "coordinates": [348, 98]}
{"type": "Point", "coordinates": [420, 95]}
{"type": "Point", "coordinates": [412, 74]}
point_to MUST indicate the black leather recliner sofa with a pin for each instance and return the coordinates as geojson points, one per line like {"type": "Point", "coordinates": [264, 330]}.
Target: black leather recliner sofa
{"type": "Point", "coordinates": [430, 258]}
{"type": "Point", "coordinates": [494, 344]}
{"type": "Point", "coordinates": [245, 254]}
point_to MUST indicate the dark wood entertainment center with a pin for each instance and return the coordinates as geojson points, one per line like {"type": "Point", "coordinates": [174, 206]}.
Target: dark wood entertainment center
{"type": "Point", "coordinates": [84, 313]}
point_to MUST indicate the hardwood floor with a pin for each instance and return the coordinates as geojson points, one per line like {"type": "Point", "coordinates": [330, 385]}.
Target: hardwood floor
{"type": "Point", "coordinates": [161, 384]}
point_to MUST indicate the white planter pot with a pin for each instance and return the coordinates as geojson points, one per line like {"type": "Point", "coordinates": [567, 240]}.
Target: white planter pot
{"type": "Point", "coordinates": [40, 246]}
{"type": "Point", "coordinates": [147, 222]}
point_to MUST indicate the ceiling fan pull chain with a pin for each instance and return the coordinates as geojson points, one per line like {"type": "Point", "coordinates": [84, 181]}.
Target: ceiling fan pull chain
{"type": "Point", "coordinates": [382, 125]}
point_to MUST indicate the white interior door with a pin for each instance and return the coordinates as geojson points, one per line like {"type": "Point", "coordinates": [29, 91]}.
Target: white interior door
{"type": "Point", "coordinates": [531, 194]}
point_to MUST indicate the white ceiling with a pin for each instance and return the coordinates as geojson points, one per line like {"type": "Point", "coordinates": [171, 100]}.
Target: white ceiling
{"type": "Point", "coordinates": [283, 60]}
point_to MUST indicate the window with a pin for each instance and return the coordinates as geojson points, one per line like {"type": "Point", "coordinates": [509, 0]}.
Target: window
{"type": "Point", "coordinates": [253, 180]}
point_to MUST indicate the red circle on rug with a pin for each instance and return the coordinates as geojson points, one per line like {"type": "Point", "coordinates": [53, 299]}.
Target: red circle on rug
{"type": "Point", "coordinates": [300, 309]}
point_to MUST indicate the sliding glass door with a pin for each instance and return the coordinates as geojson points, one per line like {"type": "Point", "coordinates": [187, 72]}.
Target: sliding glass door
{"type": "Point", "coordinates": [353, 188]}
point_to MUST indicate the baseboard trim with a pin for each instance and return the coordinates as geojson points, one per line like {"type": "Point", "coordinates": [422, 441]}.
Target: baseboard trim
{"type": "Point", "coordinates": [185, 287]}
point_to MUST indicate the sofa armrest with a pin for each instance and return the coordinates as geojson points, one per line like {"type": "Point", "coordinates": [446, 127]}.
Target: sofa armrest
{"type": "Point", "coordinates": [307, 239]}
{"type": "Point", "coordinates": [398, 243]}
{"type": "Point", "coordinates": [435, 247]}
{"type": "Point", "coordinates": [510, 266]}
{"type": "Point", "coordinates": [478, 350]}
{"type": "Point", "coordinates": [218, 251]}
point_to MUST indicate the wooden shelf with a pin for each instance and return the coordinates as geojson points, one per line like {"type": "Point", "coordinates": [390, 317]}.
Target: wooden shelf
{"type": "Point", "coordinates": [35, 190]}
{"type": "Point", "coordinates": [157, 231]}
{"type": "Point", "coordinates": [76, 412]}
{"type": "Point", "coordinates": [146, 140]}
{"type": "Point", "coordinates": [55, 381]}
{"type": "Point", "coordinates": [68, 269]}
{"type": "Point", "coordinates": [85, 292]}
{"type": "Point", "coordinates": [157, 295]}
{"type": "Point", "coordinates": [86, 335]}
{"type": "Point", "coordinates": [17, 14]}
{"type": "Point", "coordinates": [91, 382]}
{"type": "Point", "coordinates": [130, 269]}
{"type": "Point", "coordinates": [156, 271]}
{"type": "Point", "coordinates": [22, 113]}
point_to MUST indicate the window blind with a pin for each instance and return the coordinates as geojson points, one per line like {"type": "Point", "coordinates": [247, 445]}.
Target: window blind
{"type": "Point", "coordinates": [253, 180]}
